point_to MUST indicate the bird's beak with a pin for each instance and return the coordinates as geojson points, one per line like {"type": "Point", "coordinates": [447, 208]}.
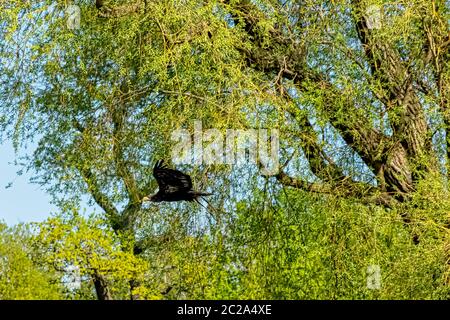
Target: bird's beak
{"type": "Point", "coordinates": [145, 199]}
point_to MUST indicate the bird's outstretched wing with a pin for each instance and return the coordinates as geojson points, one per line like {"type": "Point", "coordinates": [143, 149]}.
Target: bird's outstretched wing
{"type": "Point", "coordinates": [170, 180]}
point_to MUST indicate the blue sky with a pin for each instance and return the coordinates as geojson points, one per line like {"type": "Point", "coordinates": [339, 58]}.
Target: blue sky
{"type": "Point", "coordinates": [23, 201]}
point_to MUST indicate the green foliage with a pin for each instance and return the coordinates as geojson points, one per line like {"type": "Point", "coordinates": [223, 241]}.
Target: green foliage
{"type": "Point", "coordinates": [320, 248]}
{"type": "Point", "coordinates": [301, 247]}
{"type": "Point", "coordinates": [88, 246]}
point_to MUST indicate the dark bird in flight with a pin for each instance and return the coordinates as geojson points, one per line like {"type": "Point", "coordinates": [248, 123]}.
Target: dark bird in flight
{"type": "Point", "coordinates": [173, 185]}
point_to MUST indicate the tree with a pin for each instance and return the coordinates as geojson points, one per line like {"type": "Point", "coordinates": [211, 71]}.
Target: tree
{"type": "Point", "coordinates": [361, 105]}
{"type": "Point", "coordinates": [374, 87]}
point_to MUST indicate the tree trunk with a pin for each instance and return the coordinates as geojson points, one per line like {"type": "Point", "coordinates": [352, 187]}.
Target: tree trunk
{"type": "Point", "coordinates": [101, 287]}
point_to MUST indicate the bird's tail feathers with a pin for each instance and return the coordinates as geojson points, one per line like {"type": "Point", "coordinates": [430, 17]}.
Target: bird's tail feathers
{"type": "Point", "coordinates": [202, 194]}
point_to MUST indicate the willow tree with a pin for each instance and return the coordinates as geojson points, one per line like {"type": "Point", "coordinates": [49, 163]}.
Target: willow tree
{"type": "Point", "coordinates": [358, 89]}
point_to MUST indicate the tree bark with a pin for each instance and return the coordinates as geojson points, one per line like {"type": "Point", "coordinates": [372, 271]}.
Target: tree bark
{"type": "Point", "coordinates": [101, 287]}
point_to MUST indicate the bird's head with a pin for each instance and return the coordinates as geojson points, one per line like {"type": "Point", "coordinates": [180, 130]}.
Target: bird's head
{"type": "Point", "coordinates": [151, 198]}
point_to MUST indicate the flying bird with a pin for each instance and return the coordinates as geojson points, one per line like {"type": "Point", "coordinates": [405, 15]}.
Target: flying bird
{"type": "Point", "coordinates": [173, 185]}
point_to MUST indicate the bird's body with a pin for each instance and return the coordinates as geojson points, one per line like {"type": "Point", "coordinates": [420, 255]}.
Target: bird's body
{"type": "Point", "coordinates": [173, 185]}
{"type": "Point", "coordinates": [178, 196]}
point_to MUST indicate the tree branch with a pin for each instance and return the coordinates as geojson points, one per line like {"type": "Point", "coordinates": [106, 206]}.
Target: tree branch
{"type": "Point", "coordinates": [345, 188]}
{"type": "Point", "coordinates": [99, 197]}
